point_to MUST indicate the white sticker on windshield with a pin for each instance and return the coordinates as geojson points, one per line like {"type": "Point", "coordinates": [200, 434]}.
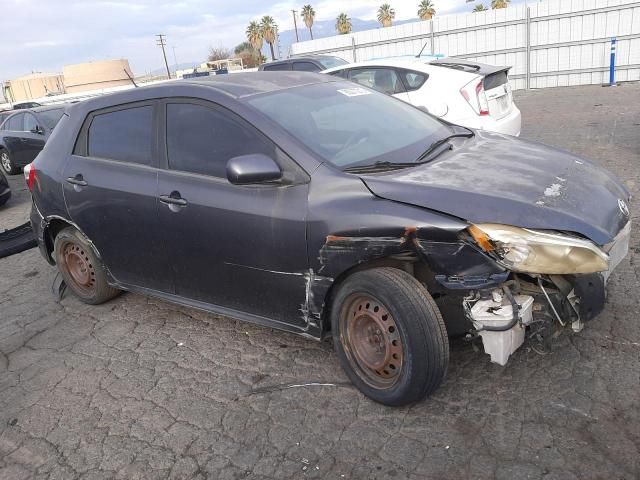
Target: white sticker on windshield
{"type": "Point", "coordinates": [354, 92]}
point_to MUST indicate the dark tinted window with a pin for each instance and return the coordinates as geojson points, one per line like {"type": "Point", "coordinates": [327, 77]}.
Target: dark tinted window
{"type": "Point", "coordinates": [202, 139]}
{"type": "Point", "coordinates": [276, 67]}
{"type": "Point", "coordinates": [15, 123]}
{"type": "Point", "coordinates": [30, 123]}
{"type": "Point", "coordinates": [495, 80]}
{"type": "Point", "coordinates": [305, 67]}
{"type": "Point", "coordinates": [413, 80]}
{"type": "Point", "coordinates": [124, 135]}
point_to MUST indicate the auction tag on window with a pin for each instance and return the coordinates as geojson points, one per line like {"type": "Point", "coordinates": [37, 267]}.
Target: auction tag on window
{"type": "Point", "coordinates": [354, 92]}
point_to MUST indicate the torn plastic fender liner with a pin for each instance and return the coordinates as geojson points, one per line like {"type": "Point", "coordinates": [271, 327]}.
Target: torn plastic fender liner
{"type": "Point", "coordinates": [17, 240]}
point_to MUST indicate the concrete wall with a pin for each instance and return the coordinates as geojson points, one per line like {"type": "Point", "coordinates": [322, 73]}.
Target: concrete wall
{"type": "Point", "coordinates": [554, 43]}
{"type": "Point", "coordinates": [34, 86]}
{"type": "Point", "coordinates": [96, 75]}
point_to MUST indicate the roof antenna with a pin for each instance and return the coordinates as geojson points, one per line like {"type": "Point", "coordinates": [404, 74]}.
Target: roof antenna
{"type": "Point", "coordinates": [130, 78]}
{"type": "Point", "coordinates": [422, 50]}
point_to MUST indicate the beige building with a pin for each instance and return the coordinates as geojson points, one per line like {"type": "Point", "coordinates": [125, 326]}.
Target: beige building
{"type": "Point", "coordinates": [84, 77]}
{"type": "Point", "coordinates": [32, 86]}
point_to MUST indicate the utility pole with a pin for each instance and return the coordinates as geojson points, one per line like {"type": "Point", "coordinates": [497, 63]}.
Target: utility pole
{"type": "Point", "coordinates": [161, 42]}
{"type": "Point", "coordinates": [295, 24]}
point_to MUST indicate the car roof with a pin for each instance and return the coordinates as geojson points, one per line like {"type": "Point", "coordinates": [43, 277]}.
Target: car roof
{"type": "Point", "coordinates": [253, 83]}
{"type": "Point", "coordinates": [233, 85]}
{"type": "Point", "coordinates": [47, 108]}
{"type": "Point", "coordinates": [310, 56]}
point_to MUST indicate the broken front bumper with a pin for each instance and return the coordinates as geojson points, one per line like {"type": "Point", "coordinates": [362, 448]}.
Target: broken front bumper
{"type": "Point", "coordinates": [542, 300]}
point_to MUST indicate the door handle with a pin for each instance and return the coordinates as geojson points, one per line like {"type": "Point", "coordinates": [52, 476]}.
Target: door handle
{"type": "Point", "coordinates": [173, 200]}
{"type": "Point", "coordinates": [78, 181]}
{"type": "Point", "coordinates": [24, 140]}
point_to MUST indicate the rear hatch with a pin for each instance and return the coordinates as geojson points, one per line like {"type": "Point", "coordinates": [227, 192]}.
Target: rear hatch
{"type": "Point", "coordinates": [489, 93]}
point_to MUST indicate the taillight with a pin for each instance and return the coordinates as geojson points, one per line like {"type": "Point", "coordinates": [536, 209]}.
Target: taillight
{"type": "Point", "coordinates": [30, 176]}
{"type": "Point", "coordinates": [482, 99]}
{"type": "Point", "coordinates": [475, 96]}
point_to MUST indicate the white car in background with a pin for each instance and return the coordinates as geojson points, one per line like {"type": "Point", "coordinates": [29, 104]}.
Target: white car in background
{"type": "Point", "coordinates": [462, 92]}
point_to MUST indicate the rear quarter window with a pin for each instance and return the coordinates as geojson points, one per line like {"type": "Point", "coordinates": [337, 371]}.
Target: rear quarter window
{"type": "Point", "coordinates": [413, 80]}
{"type": "Point", "coordinates": [277, 67]}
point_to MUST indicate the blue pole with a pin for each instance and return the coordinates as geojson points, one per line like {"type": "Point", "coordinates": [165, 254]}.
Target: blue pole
{"type": "Point", "coordinates": [612, 63]}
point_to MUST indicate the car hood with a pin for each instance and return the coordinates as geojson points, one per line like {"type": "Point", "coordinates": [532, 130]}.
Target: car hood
{"type": "Point", "coordinates": [501, 179]}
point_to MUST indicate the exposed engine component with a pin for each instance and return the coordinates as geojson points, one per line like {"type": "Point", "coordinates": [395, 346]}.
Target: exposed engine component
{"type": "Point", "coordinates": [500, 319]}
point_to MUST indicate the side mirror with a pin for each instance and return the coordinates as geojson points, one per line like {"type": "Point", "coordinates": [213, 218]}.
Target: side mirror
{"type": "Point", "coordinates": [253, 168]}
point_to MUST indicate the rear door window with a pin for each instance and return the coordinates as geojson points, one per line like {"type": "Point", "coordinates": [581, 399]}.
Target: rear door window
{"type": "Point", "coordinates": [125, 135]}
{"type": "Point", "coordinates": [30, 123]}
{"type": "Point", "coordinates": [384, 80]}
{"type": "Point", "coordinates": [201, 139]}
{"type": "Point", "coordinates": [15, 123]}
{"type": "Point", "coordinates": [305, 67]}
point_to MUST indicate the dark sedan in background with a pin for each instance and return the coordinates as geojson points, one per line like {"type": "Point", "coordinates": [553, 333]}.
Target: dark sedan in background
{"type": "Point", "coordinates": [23, 135]}
{"type": "Point", "coordinates": [307, 203]}
{"type": "Point", "coordinates": [306, 63]}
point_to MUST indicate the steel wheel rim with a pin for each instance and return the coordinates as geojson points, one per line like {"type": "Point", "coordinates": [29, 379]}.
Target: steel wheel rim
{"type": "Point", "coordinates": [6, 161]}
{"type": "Point", "coordinates": [370, 337]}
{"type": "Point", "coordinates": [75, 262]}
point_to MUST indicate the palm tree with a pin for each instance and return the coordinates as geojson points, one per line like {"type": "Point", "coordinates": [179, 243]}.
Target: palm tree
{"type": "Point", "coordinates": [343, 24]}
{"type": "Point", "coordinates": [386, 14]}
{"type": "Point", "coordinates": [308, 14]}
{"type": "Point", "coordinates": [269, 28]}
{"type": "Point", "coordinates": [480, 8]}
{"type": "Point", "coordinates": [499, 4]}
{"type": "Point", "coordinates": [426, 10]}
{"type": "Point", "coordinates": [254, 35]}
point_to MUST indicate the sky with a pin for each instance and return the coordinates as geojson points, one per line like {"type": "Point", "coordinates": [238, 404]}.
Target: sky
{"type": "Point", "coordinates": [44, 35]}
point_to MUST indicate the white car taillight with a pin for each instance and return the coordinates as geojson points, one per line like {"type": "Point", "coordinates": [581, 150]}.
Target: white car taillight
{"type": "Point", "coordinates": [30, 176]}
{"type": "Point", "coordinates": [473, 93]}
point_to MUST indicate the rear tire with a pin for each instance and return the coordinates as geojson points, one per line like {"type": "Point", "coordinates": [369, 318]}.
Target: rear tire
{"type": "Point", "coordinates": [7, 163]}
{"type": "Point", "coordinates": [81, 269]}
{"type": "Point", "coordinates": [389, 336]}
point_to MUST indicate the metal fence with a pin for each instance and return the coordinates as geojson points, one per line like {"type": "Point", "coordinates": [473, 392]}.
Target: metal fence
{"type": "Point", "coordinates": [550, 43]}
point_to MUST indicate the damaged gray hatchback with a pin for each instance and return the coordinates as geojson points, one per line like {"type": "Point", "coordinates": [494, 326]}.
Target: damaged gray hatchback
{"type": "Point", "coordinates": [305, 203]}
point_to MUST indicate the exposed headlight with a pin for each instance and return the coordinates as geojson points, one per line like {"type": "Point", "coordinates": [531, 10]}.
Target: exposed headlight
{"type": "Point", "coordinates": [531, 251]}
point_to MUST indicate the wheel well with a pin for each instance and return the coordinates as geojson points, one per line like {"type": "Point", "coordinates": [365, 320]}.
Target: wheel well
{"type": "Point", "coordinates": [408, 263]}
{"type": "Point", "coordinates": [51, 232]}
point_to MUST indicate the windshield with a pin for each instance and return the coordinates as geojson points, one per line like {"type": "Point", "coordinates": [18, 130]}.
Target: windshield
{"type": "Point", "coordinates": [330, 62]}
{"type": "Point", "coordinates": [352, 126]}
{"type": "Point", "coordinates": [51, 117]}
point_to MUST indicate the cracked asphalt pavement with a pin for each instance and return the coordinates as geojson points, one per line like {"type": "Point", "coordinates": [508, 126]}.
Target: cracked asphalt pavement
{"type": "Point", "coordinates": [139, 388]}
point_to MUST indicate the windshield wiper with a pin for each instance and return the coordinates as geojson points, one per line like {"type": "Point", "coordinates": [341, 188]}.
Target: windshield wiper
{"type": "Point", "coordinates": [440, 146]}
{"type": "Point", "coordinates": [378, 167]}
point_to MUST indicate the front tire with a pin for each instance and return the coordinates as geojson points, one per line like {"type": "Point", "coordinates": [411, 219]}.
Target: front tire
{"type": "Point", "coordinates": [81, 269]}
{"type": "Point", "coordinates": [7, 163]}
{"type": "Point", "coordinates": [389, 336]}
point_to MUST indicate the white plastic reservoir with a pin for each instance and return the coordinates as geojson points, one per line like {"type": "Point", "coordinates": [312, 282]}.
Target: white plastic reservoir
{"type": "Point", "coordinates": [497, 312]}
